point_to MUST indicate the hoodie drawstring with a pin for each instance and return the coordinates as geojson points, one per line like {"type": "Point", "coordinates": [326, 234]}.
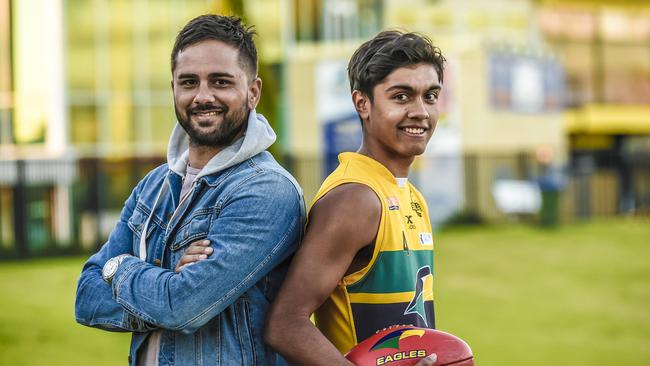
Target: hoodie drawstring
{"type": "Point", "coordinates": [143, 236]}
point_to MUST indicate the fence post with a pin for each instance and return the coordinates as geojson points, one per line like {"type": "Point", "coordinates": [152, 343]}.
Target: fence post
{"type": "Point", "coordinates": [584, 172]}
{"type": "Point", "coordinates": [96, 194]}
{"type": "Point", "coordinates": [20, 210]}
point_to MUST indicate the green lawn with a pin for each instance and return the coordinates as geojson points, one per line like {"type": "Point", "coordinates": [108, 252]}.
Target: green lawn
{"type": "Point", "coordinates": [578, 295]}
{"type": "Point", "coordinates": [37, 325]}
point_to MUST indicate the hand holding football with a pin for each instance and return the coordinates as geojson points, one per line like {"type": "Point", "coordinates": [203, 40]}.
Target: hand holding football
{"type": "Point", "coordinates": [405, 345]}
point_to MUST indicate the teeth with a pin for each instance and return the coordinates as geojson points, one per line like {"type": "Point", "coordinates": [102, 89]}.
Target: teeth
{"type": "Point", "coordinates": [206, 113]}
{"type": "Point", "coordinates": [413, 130]}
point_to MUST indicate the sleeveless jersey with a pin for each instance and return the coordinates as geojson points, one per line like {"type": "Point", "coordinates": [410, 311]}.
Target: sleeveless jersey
{"type": "Point", "coordinates": [396, 287]}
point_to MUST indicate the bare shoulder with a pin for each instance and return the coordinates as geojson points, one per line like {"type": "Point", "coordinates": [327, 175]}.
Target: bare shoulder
{"type": "Point", "coordinates": [341, 223]}
{"type": "Point", "coordinates": [350, 212]}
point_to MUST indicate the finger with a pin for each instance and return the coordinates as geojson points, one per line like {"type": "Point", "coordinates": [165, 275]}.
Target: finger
{"type": "Point", "coordinates": [202, 243]}
{"type": "Point", "coordinates": [178, 269]}
{"type": "Point", "coordinates": [189, 258]}
{"type": "Point", "coordinates": [198, 247]}
{"type": "Point", "coordinates": [430, 360]}
{"type": "Point", "coordinates": [198, 250]}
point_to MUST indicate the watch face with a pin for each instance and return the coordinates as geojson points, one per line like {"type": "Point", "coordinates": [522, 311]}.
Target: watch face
{"type": "Point", "coordinates": [110, 268]}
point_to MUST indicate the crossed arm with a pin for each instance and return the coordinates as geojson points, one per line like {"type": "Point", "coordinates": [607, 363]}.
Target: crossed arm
{"type": "Point", "coordinates": [249, 246]}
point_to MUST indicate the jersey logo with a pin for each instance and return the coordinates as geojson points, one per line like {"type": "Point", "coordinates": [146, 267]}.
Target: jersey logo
{"type": "Point", "coordinates": [409, 222]}
{"type": "Point", "coordinates": [416, 207]}
{"type": "Point", "coordinates": [393, 203]}
{"type": "Point", "coordinates": [426, 238]}
{"type": "Point", "coordinates": [423, 292]}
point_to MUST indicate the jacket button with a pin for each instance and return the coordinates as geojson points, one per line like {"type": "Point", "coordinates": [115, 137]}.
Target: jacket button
{"type": "Point", "coordinates": [169, 216]}
{"type": "Point", "coordinates": [156, 262]}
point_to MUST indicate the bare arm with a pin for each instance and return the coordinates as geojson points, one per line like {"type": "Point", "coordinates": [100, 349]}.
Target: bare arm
{"type": "Point", "coordinates": [340, 224]}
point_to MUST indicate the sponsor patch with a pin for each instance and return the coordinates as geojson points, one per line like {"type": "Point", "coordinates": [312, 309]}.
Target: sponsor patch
{"type": "Point", "coordinates": [426, 238]}
{"type": "Point", "coordinates": [393, 203]}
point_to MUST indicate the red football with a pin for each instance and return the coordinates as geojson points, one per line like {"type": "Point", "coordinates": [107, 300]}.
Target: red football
{"type": "Point", "coordinates": [405, 345]}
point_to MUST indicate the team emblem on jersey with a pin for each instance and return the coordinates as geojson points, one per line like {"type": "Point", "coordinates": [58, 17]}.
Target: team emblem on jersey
{"type": "Point", "coordinates": [415, 206]}
{"type": "Point", "coordinates": [423, 292]}
{"type": "Point", "coordinates": [393, 203]}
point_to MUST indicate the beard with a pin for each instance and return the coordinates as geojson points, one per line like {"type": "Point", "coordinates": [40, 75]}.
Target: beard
{"type": "Point", "coordinates": [221, 135]}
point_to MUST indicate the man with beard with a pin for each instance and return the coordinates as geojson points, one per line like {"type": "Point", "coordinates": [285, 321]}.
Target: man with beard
{"type": "Point", "coordinates": [202, 243]}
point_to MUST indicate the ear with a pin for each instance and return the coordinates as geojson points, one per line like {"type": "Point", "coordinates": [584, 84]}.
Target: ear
{"type": "Point", "coordinates": [254, 93]}
{"type": "Point", "coordinates": [361, 104]}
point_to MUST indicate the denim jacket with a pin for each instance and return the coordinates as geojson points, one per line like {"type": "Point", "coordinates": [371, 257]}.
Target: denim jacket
{"type": "Point", "coordinates": [213, 312]}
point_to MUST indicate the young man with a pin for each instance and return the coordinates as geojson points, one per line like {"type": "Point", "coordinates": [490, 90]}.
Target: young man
{"type": "Point", "coordinates": [367, 258]}
{"type": "Point", "coordinates": [221, 203]}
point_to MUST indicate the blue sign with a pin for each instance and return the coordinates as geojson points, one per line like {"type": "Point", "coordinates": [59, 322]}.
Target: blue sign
{"type": "Point", "coordinates": [341, 134]}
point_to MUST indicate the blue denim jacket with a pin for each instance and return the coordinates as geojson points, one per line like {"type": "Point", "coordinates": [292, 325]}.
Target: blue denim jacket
{"type": "Point", "coordinates": [213, 312]}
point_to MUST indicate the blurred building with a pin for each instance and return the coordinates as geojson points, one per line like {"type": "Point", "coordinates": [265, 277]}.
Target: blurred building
{"type": "Point", "coordinates": [548, 91]}
{"type": "Point", "coordinates": [604, 46]}
{"type": "Point", "coordinates": [86, 107]}
{"type": "Point", "coordinates": [501, 98]}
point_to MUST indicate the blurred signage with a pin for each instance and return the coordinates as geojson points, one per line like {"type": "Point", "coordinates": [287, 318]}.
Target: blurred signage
{"type": "Point", "coordinates": [340, 135]}
{"type": "Point", "coordinates": [525, 84]}
{"type": "Point", "coordinates": [341, 128]}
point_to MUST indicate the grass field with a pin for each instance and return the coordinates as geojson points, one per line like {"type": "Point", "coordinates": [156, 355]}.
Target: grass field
{"type": "Point", "coordinates": [578, 295]}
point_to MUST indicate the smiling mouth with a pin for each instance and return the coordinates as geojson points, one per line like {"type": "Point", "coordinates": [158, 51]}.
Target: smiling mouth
{"type": "Point", "coordinates": [415, 131]}
{"type": "Point", "coordinates": [206, 113]}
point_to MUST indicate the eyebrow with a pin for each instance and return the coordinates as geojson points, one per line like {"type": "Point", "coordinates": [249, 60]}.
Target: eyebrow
{"type": "Point", "coordinates": [409, 88]}
{"type": "Point", "coordinates": [211, 75]}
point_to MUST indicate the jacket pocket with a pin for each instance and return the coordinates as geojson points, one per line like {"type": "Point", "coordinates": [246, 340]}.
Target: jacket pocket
{"type": "Point", "coordinates": [137, 220]}
{"type": "Point", "coordinates": [194, 228]}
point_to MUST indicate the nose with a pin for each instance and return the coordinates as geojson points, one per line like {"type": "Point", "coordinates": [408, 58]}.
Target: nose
{"type": "Point", "coordinates": [418, 110]}
{"type": "Point", "coordinates": [204, 95]}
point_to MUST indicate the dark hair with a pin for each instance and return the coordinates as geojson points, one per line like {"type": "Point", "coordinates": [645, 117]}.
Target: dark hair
{"type": "Point", "coordinates": [374, 60]}
{"type": "Point", "coordinates": [227, 29]}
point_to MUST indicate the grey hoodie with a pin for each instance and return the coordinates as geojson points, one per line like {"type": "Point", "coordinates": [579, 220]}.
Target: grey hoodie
{"type": "Point", "coordinates": [258, 137]}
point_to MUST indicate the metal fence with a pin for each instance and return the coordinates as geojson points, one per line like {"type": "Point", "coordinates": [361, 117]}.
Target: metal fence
{"type": "Point", "coordinates": [71, 205]}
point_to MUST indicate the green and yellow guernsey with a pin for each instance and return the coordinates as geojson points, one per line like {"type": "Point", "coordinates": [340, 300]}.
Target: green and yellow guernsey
{"type": "Point", "coordinates": [396, 287]}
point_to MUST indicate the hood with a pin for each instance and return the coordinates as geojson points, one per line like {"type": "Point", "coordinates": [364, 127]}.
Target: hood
{"type": "Point", "coordinates": [258, 137]}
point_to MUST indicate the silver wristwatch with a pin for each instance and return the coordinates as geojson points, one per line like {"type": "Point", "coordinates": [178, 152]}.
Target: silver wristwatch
{"type": "Point", "coordinates": [111, 267]}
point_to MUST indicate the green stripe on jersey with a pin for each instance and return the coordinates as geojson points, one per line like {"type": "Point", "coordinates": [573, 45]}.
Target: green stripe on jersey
{"type": "Point", "coordinates": [393, 271]}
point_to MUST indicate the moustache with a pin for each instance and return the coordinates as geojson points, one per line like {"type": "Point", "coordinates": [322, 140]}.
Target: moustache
{"type": "Point", "coordinates": [208, 107]}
